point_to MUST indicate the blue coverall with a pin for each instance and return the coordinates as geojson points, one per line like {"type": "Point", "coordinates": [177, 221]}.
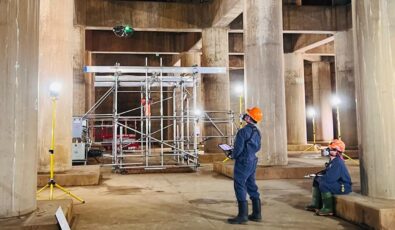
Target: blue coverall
{"type": "Point", "coordinates": [335, 178]}
{"type": "Point", "coordinates": [247, 144]}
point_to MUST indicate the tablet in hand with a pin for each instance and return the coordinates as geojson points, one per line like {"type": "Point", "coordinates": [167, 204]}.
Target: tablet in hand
{"type": "Point", "coordinates": [225, 147]}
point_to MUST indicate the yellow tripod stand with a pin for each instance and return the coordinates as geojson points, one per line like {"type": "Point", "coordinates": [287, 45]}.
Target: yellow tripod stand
{"type": "Point", "coordinates": [340, 135]}
{"type": "Point", "coordinates": [52, 183]}
{"type": "Point", "coordinates": [240, 122]}
{"type": "Point", "coordinates": [314, 146]}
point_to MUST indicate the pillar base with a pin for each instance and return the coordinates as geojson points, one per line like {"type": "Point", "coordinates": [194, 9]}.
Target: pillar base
{"type": "Point", "coordinates": [77, 176]}
{"type": "Point", "coordinates": [211, 157]}
{"type": "Point", "coordinates": [354, 154]}
{"type": "Point", "coordinates": [294, 170]}
{"type": "Point", "coordinates": [44, 216]}
{"type": "Point", "coordinates": [307, 148]}
{"type": "Point", "coordinates": [366, 211]}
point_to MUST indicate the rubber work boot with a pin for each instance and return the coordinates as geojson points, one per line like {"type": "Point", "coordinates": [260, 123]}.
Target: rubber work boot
{"type": "Point", "coordinates": [315, 200]}
{"type": "Point", "coordinates": [242, 217]}
{"type": "Point", "coordinates": [256, 210]}
{"type": "Point", "coordinates": [327, 204]}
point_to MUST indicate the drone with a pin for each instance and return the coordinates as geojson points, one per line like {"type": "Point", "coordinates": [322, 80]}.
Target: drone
{"type": "Point", "coordinates": [123, 31]}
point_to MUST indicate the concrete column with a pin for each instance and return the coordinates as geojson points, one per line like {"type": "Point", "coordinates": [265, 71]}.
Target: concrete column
{"type": "Point", "coordinates": [79, 99]}
{"type": "Point", "coordinates": [216, 87]}
{"type": "Point", "coordinates": [89, 89]}
{"type": "Point", "coordinates": [18, 103]}
{"type": "Point", "coordinates": [308, 85]}
{"type": "Point", "coordinates": [189, 59]}
{"type": "Point", "coordinates": [374, 46]}
{"type": "Point", "coordinates": [322, 92]}
{"type": "Point", "coordinates": [89, 83]}
{"type": "Point", "coordinates": [295, 99]}
{"type": "Point", "coordinates": [345, 87]}
{"type": "Point", "coordinates": [55, 64]}
{"type": "Point", "coordinates": [264, 74]}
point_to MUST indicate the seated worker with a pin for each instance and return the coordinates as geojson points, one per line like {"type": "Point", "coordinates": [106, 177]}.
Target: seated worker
{"type": "Point", "coordinates": [334, 179]}
{"type": "Point", "coordinates": [247, 144]}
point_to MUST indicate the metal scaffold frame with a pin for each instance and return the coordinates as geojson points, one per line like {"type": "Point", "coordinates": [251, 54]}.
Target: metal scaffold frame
{"type": "Point", "coordinates": [181, 83]}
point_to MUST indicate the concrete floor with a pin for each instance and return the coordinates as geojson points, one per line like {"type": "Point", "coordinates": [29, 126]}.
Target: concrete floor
{"type": "Point", "coordinates": [201, 200]}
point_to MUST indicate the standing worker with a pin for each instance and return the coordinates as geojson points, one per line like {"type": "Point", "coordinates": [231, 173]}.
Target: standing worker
{"type": "Point", "coordinates": [334, 179]}
{"type": "Point", "coordinates": [247, 144]}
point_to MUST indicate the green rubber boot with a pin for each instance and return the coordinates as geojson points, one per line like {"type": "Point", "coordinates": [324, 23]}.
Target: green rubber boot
{"type": "Point", "coordinates": [315, 200]}
{"type": "Point", "coordinates": [327, 204]}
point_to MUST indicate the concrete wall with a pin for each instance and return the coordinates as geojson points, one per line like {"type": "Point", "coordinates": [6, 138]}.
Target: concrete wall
{"type": "Point", "coordinates": [141, 41]}
{"type": "Point", "coordinates": [131, 59]}
{"type": "Point", "coordinates": [318, 18]}
{"type": "Point", "coordinates": [19, 29]}
{"type": "Point", "coordinates": [236, 62]}
{"type": "Point", "coordinates": [236, 43]}
{"type": "Point", "coordinates": [179, 16]}
{"type": "Point", "coordinates": [145, 15]}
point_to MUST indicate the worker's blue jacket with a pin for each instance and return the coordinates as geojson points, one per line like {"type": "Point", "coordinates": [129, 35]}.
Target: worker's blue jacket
{"type": "Point", "coordinates": [247, 144]}
{"type": "Point", "coordinates": [335, 178]}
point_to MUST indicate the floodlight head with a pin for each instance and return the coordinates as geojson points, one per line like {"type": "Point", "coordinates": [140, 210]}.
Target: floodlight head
{"type": "Point", "coordinates": [198, 112]}
{"type": "Point", "coordinates": [311, 112]}
{"type": "Point", "coordinates": [123, 31]}
{"type": "Point", "coordinates": [54, 89]}
{"type": "Point", "coordinates": [335, 100]}
{"type": "Point", "coordinates": [239, 88]}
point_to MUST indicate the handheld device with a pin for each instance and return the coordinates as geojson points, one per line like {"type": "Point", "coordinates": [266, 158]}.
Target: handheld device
{"type": "Point", "coordinates": [227, 150]}
{"type": "Point", "coordinates": [225, 147]}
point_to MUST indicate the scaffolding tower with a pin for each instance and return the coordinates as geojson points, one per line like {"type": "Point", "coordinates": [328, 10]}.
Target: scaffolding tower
{"type": "Point", "coordinates": [150, 149]}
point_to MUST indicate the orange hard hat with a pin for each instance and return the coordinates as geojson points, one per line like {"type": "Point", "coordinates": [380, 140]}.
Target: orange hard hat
{"type": "Point", "coordinates": [338, 145]}
{"type": "Point", "coordinates": [255, 113]}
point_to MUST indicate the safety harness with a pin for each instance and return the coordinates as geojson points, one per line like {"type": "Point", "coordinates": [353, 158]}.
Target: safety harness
{"type": "Point", "coordinates": [254, 130]}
